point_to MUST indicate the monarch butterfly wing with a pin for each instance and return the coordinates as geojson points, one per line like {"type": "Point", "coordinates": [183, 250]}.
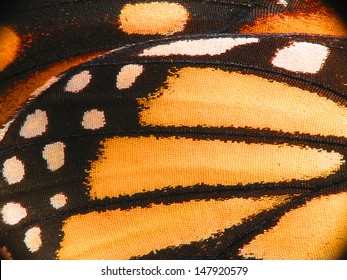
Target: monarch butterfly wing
{"type": "Point", "coordinates": [120, 142]}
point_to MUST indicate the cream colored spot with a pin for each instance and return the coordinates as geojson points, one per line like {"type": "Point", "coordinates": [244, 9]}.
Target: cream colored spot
{"type": "Point", "coordinates": [58, 200]}
{"type": "Point", "coordinates": [123, 234]}
{"type": "Point", "coordinates": [153, 18]}
{"type": "Point", "coordinates": [127, 165]}
{"type": "Point", "coordinates": [301, 57]}
{"type": "Point", "coordinates": [13, 212]}
{"type": "Point", "coordinates": [128, 75]}
{"type": "Point", "coordinates": [44, 87]}
{"type": "Point", "coordinates": [78, 82]}
{"type": "Point", "coordinates": [215, 98]}
{"type": "Point", "coordinates": [34, 125]}
{"type": "Point", "coordinates": [54, 154]}
{"type": "Point", "coordinates": [9, 46]}
{"type": "Point", "coordinates": [93, 119]}
{"type": "Point", "coordinates": [317, 230]}
{"type": "Point", "coordinates": [33, 239]}
{"type": "Point", "coordinates": [282, 2]}
{"type": "Point", "coordinates": [13, 170]}
{"type": "Point", "coordinates": [214, 46]}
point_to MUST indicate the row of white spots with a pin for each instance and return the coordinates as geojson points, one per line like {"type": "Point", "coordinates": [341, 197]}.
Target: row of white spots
{"type": "Point", "coordinates": [13, 213]}
{"type": "Point", "coordinates": [300, 57]}
{"type": "Point", "coordinates": [125, 78]}
{"type": "Point", "coordinates": [36, 123]}
{"type": "Point", "coordinates": [13, 169]}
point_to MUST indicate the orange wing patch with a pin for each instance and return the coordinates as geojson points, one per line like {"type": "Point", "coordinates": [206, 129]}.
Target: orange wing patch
{"type": "Point", "coordinates": [10, 44]}
{"type": "Point", "coordinates": [122, 234]}
{"type": "Point", "coordinates": [314, 231]}
{"type": "Point", "coordinates": [153, 18]}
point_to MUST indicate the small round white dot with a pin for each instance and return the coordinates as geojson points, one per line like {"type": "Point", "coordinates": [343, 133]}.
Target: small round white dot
{"type": "Point", "coordinates": [33, 239]}
{"type": "Point", "coordinates": [13, 212]}
{"type": "Point", "coordinates": [93, 119]}
{"type": "Point", "coordinates": [34, 125]}
{"type": "Point", "coordinates": [78, 82]}
{"type": "Point", "coordinates": [13, 170]}
{"type": "Point", "coordinates": [59, 200]}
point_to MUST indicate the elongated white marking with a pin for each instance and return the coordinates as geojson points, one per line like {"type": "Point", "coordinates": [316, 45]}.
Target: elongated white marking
{"type": "Point", "coordinates": [13, 212]}
{"type": "Point", "coordinates": [78, 82]}
{"type": "Point", "coordinates": [13, 170]}
{"type": "Point", "coordinates": [34, 125]}
{"type": "Point", "coordinates": [301, 57]}
{"type": "Point", "coordinates": [54, 154]}
{"type": "Point", "coordinates": [33, 239]}
{"type": "Point", "coordinates": [128, 75]}
{"type": "Point", "coordinates": [214, 46]}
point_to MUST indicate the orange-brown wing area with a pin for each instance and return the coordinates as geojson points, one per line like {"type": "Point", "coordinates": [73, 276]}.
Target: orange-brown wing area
{"type": "Point", "coordinates": [313, 17]}
{"type": "Point", "coordinates": [202, 146]}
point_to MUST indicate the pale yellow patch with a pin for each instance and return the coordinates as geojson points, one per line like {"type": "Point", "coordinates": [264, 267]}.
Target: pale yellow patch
{"type": "Point", "coordinates": [9, 46]}
{"type": "Point", "coordinates": [131, 165]}
{"type": "Point", "coordinates": [153, 18]}
{"type": "Point", "coordinates": [316, 231]}
{"type": "Point", "coordinates": [215, 98]}
{"type": "Point", "coordinates": [121, 234]}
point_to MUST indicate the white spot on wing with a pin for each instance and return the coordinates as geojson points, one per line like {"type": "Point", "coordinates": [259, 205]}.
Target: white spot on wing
{"type": "Point", "coordinates": [93, 119]}
{"type": "Point", "coordinates": [128, 75]}
{"type": "Point", "coordinates": [282, 2]}
{"type": "Point", "coordinates": [34, 125]}
{"type": "Point", "coordinates": [78, 82]}
{"type": "Point", "coordinates": [213, 46]}
{"type": "Point", "coordinates": [13, 170]}
{"type": "Point", "coordinates": [13, 212]}
{"type": "Point", "coordinates": [54, 154]}
{"type": "Point", "coordinates": [58, 200]}
{"type": "Point", "coordinates": [301, 57]}
{"type": "Point", "coordinates": [33, 239]}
